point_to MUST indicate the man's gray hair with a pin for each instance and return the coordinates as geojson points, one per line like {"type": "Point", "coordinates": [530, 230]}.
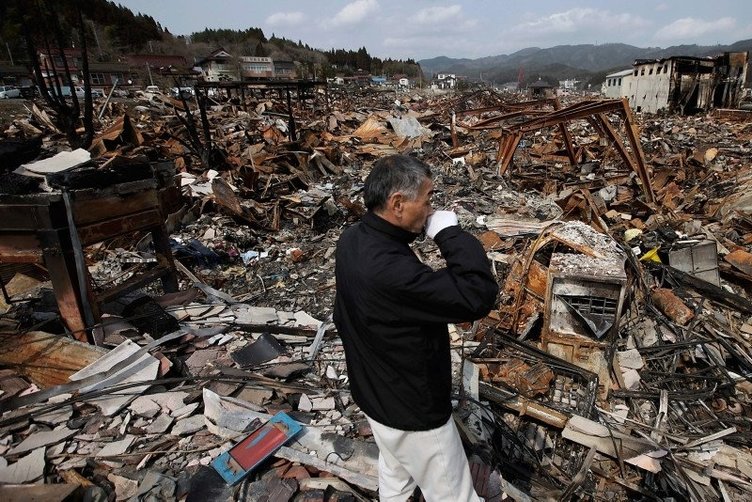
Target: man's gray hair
{"type": "Point", "coordinates": [395, 173]}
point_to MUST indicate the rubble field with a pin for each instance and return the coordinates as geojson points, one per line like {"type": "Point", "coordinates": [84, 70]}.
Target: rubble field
{"type": "Point", "coordinates": [168, 292]}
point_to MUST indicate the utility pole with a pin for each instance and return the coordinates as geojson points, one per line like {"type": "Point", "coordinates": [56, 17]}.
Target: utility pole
{"type": "Point", "coordinates": [148, 69]}
{"type": "Point", "coordinates": [96, 38]}
{"type": "Point", "coordinates": [9, 53]}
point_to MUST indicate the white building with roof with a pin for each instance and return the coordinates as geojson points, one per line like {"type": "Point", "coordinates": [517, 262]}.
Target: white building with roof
{"type": "Point", "coordinates": [617, 85]}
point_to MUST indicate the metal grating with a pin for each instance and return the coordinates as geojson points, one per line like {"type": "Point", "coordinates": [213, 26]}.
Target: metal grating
{"type": "Point", "coordinates": [593, 305]}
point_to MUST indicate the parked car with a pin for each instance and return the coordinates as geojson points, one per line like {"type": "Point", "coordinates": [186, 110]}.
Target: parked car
{"type": "Point", "coordinates": [66, 91]}
{"type": "Point", "coordinates": [182, 92]}
{"type": "Point", "coordinates": [8, 91]}
{"type": "Point", "coordinates": [81, 93]}
{"type": "Point", "coordinates": [154, 89]}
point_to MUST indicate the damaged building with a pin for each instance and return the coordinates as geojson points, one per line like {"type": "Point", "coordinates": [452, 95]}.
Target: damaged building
{"type": "Point", "coordinates": [687, 84]}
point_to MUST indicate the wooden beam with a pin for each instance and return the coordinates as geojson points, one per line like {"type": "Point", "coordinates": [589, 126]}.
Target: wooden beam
{"type": "Point", "coordinates": [107, 229]}
{"type": "Point", "coordinates": [20, 248]}
{"type": "Point", "coordinates": [58, 258]}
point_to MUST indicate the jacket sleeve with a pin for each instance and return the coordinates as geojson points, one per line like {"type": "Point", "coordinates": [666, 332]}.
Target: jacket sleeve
{"type": "Point", "coordinates": [463, 291]}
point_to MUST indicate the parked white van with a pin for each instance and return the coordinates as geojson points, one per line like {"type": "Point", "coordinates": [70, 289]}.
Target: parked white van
{"type": "Point", "coordinates": [8, 91]}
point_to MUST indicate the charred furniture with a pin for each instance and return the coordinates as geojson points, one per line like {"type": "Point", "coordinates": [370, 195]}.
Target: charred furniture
{"type": "Point", "coordinates": [53, 229]}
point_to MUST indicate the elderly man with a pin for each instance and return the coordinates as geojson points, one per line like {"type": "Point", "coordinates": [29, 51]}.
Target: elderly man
{"type": "Point", "coordinates": [392, 311]}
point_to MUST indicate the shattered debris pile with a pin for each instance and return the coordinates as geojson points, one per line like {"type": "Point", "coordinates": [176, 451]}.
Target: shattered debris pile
{"type": "Point", "coordinates": [617, 364]}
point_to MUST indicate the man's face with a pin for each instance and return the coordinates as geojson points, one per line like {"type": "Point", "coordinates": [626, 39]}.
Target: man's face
{"type": "Point", "coordinates": [415, 211]}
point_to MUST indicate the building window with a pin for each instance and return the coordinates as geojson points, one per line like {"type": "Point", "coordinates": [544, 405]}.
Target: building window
{"type": "Point", "coordinates": [635, 72]}
{"type": "Point", "coordinates": [97, 78]}
{"type": "Point", "coordinates": [642, 71]}
{"type": "Point", "coordinates": [665, 68]}
{"type": "Point", "coordinates": [651, 71]}
{"type": "Point", "coordinates": [619, 82]}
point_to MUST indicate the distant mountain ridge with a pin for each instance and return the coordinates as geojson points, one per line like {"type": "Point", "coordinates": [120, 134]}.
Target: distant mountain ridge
{"type": "Point", "coordinates": [585, 61]}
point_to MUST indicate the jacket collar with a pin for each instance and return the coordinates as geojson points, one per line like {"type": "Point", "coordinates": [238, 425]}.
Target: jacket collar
{"type": "Point", "coordinates": [379, 224]}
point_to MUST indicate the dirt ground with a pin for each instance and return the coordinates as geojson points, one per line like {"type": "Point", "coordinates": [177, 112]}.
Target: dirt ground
{"type": "Point", "coordinates": [8, 109]}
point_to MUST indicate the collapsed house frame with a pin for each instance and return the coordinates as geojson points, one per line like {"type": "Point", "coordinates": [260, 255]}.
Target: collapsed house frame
{"type": "Point", "coordinates": [303, 89]}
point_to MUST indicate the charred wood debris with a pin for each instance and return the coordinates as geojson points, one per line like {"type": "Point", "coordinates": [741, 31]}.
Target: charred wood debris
{"type": "Point", "coordinates": [617, 366]}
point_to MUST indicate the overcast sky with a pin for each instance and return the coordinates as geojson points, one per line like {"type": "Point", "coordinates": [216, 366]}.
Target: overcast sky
{"type": "Point", "coordinates": [466, 28]}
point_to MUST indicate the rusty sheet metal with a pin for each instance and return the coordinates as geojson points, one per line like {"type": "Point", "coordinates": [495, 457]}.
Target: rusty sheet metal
{"type": "Point", "coordinates": [741, 260]}
{"type": "Point", "coordinates": [526, 283]}
{"type": "Point", "coordinates": [537, 279]}
{"type": "Point", "coordinates": [528, 380]}
{"type": "Point", "coordinates": [491, 241]}
{"type": "Point", "coordinates": [46, 359]}
{"type": "Point", "coordinates": [507, 147]}
{"type": "Point", "coordinates": [671, 305]}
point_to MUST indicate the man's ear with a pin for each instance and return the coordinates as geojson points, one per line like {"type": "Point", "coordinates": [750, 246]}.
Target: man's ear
{"type": "Point", "coordinates": [395, 203]}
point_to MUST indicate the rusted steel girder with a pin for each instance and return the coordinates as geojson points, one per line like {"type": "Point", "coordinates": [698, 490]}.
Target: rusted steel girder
{"type": "Point", "coordinates": [505, 107]}
{"type": "Point", "coordinates": [490, 122]}
{"type": "Point", "coordinates": [565, 134]}
{"type": "Point", "coordinates": [594, 112]}
{"type": "Point", "coordinates": [509, 111]}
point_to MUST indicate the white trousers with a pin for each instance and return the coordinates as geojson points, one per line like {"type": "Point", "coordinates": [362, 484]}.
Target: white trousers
{"type": "Point", "coordinates": [434, 460]}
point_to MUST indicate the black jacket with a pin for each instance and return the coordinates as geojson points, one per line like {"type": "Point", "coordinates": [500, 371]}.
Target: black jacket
{"type": "Point", "coordinates": [391, 312]}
